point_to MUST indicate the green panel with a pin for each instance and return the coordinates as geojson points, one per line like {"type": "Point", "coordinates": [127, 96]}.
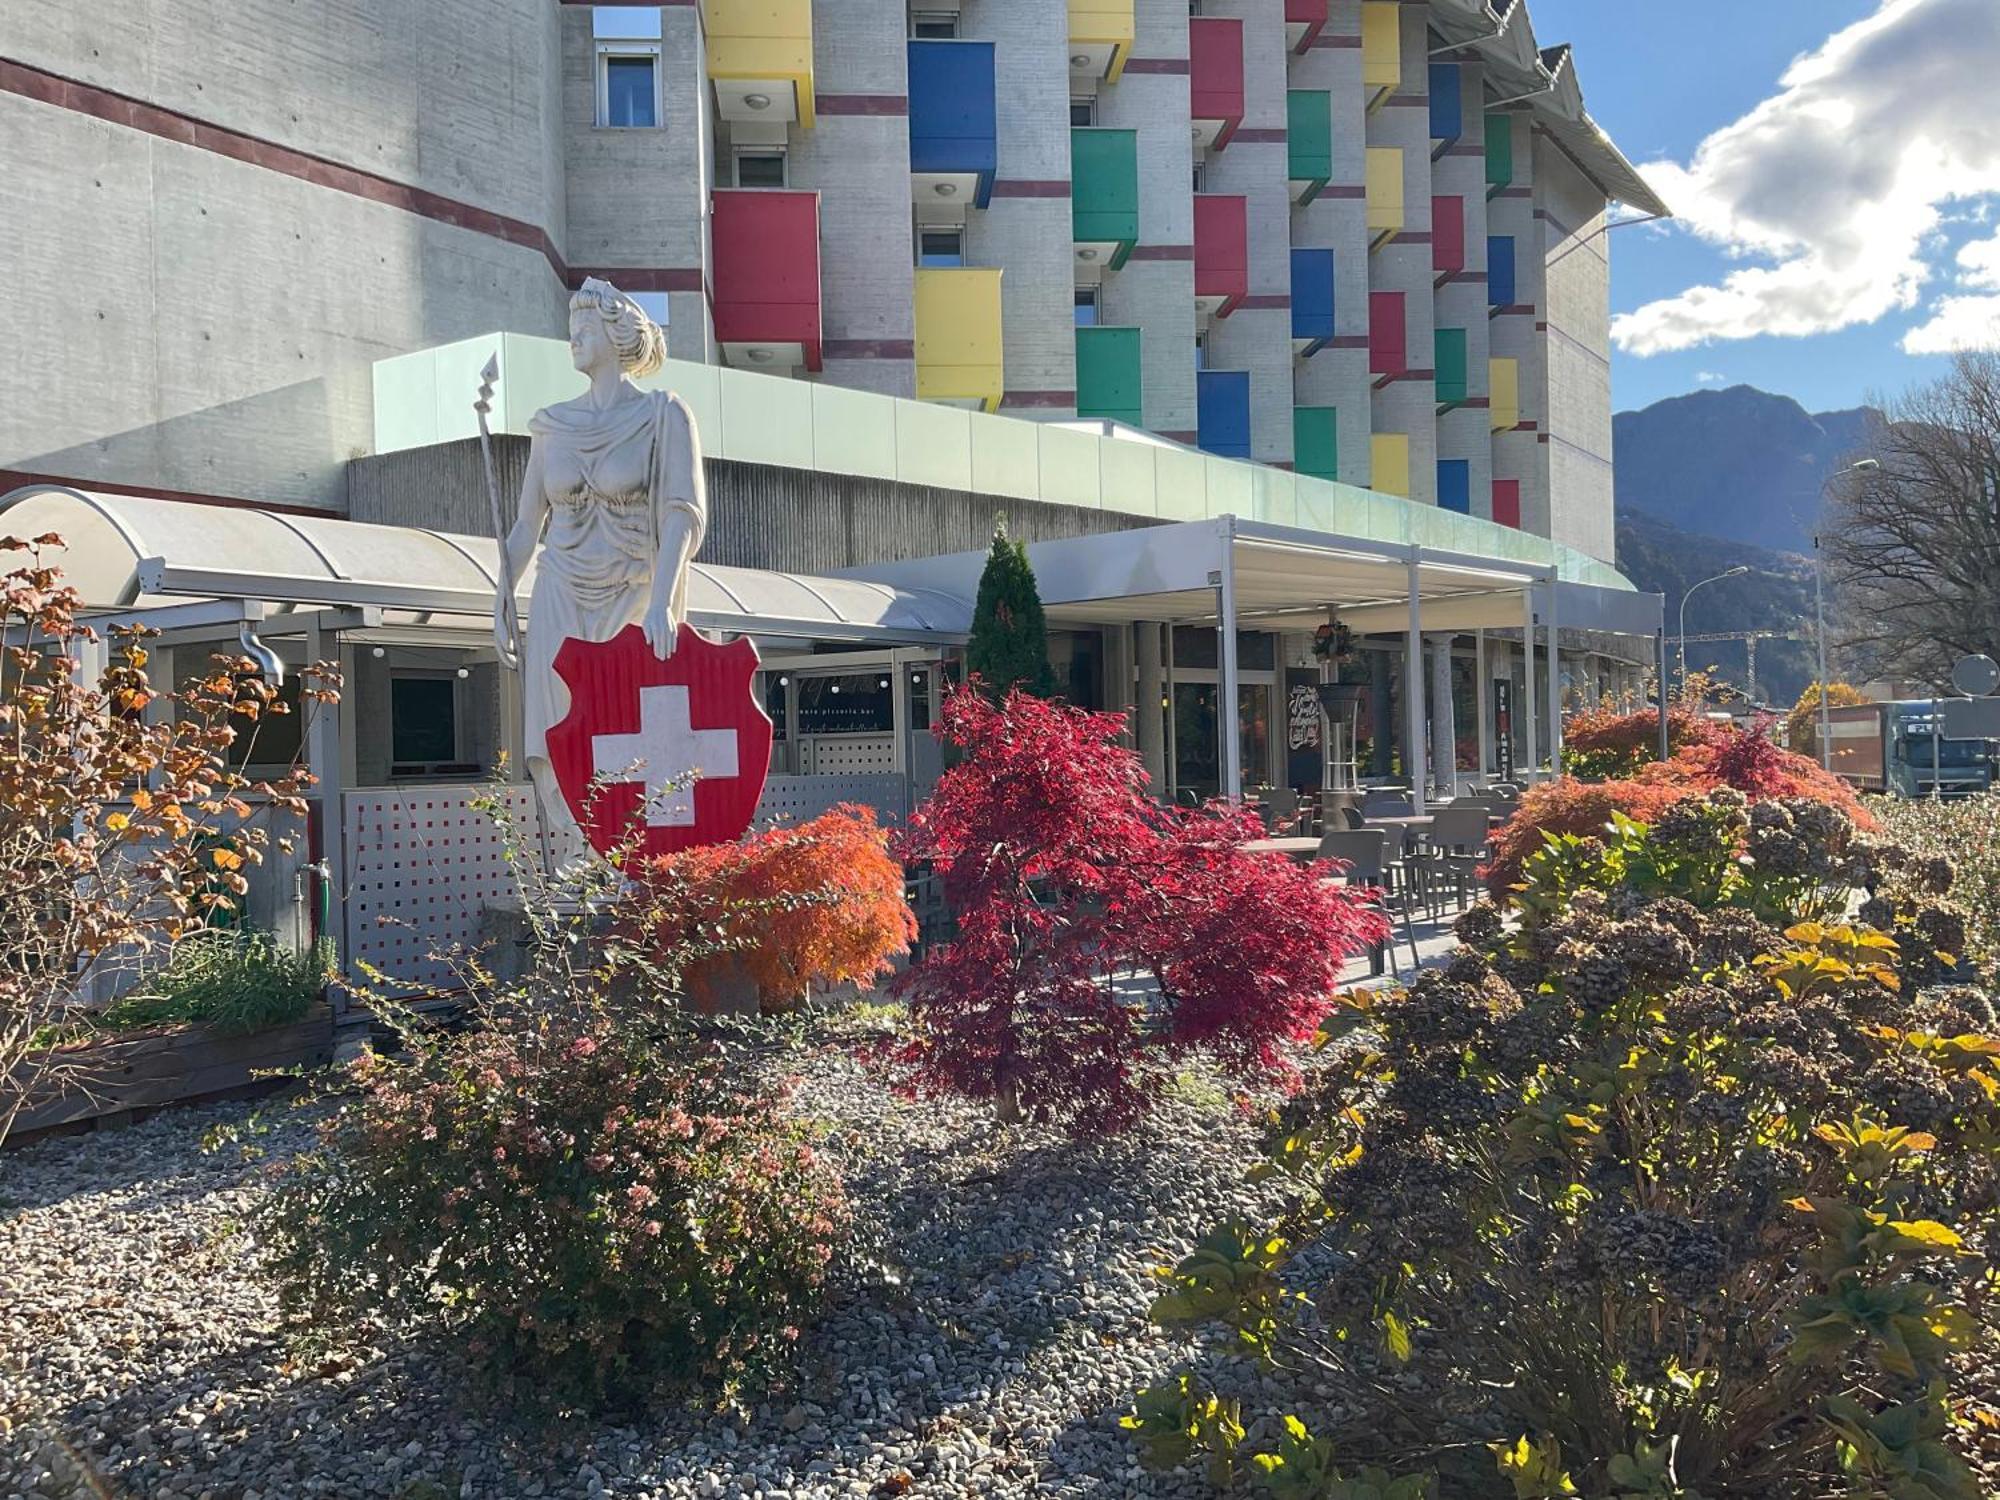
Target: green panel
{"type": "Point", "coordinates": [1104, 186]}
{"type": "Point", "coordinates": [1499, 150]}
{"type": "Point", "coordinates": [1107, 374]}
{"type": "Point", "coordinates": [1316, 441]}
{"type": "Point", "coordinates": [1309, 134]}
{"type": "Point", "coordinates": [1451, 380]}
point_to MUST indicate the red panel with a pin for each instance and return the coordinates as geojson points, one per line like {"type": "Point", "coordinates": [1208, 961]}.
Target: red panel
{"type": "Point", "coordinates": [1507, 502]}
{"type": "Point", "coordinates": [1447, 234]}
{"type": "Point", "coordinates": [1215, 73]}
{"type": "Point", "coordinates": [767, 268]}
{"type": "Point", "coordinates": [1221, 248]}
{"type": "Point", "coordinates": [1388, 334]}
{"type": "Point", "coordinates": [1310, 14]}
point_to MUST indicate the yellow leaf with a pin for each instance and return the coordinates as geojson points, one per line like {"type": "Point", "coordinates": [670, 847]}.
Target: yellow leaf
{"type": "Point", "coordinates": [117, 822]}
{"type": "Point", "coordinates": [1929, 1232]}
{"type": "Point", "coordinates": [1397, 1334]}
{"type": "Point", "coordinates": [226, 859]}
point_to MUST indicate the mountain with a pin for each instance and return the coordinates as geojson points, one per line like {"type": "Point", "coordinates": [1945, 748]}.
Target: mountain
{"type": "Point", "coordinates": [1739, 464]}
{"type": "Point", "coordinates": [1776, 595]}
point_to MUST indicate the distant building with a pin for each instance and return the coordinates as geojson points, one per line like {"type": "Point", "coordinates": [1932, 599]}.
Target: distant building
{"type": "Point", "coordinates": [1360, 240]}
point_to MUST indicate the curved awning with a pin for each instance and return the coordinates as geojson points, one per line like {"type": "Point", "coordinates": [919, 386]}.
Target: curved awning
{"type": "Point", "coordinates": [129, 551]}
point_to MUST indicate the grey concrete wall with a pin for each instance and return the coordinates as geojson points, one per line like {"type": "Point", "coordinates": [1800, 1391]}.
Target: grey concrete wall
{"type": "Point", "coordinates": [860, 166]}
{"type": "Point", "coordinates": [760, 516]}
{"type": "Point", "coordinates": [1154, 291]}
{"type": "Point", "coordinates": [1021, 231]}
{"type": "Point", "coordinates": [1575, 253]}
{"type": "Point", "coordinates": [195, 322]}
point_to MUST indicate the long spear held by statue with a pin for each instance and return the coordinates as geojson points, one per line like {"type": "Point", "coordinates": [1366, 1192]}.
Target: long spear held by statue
{"type": "Point", "coordinates": [507, 627]}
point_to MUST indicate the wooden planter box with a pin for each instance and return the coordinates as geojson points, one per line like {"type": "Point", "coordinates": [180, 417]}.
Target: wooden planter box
{"type": "Point", "coordinates": [152, 1068]}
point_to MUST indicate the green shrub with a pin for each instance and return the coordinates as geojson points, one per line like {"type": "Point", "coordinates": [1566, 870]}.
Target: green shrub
{"type": "Point", "coordinates": [1966, 834]}
{"type": "Point", "coordinates": [231, 982]}
{"type": "Point", "coordinates": [591, 1211]}
{"type": "Point", "coordinates": [1673, 1185]}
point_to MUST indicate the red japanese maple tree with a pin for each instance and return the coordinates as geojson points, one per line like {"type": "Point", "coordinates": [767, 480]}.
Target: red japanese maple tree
{"type": "Point", "coordinates": [1068, 883]}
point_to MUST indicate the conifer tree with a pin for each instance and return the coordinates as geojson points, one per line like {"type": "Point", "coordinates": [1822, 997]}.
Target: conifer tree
{"type": "Point", "coordinates": [1009, 646]}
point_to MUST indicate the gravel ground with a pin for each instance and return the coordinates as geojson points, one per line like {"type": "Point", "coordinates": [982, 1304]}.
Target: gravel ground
{"type": "Point", "coordinates": [141, 1352]}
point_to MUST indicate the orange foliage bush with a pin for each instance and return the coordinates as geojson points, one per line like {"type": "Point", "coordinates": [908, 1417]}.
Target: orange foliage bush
{"type": "Point", "coordinates": [1603, 744]}
{"type": "Point", "coordinates": [1745, 759]}
{"type": "Point", "coordinates": [818, 903]}
{"type": "Point", "coordinates": [1568, 806]}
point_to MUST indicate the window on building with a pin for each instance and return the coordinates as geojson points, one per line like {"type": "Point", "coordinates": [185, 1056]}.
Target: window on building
{"type": "Point", "coordinates": [1201, 351]}
{"type": "Point", "coordinates": [424, 723]}
{"type": "Point", "coordinates": [1086, 307]}
{"type": "Point", "coordinates": [625, 22]}
{"type": "Point", "coordinates": [933, 25]}
{"type": "Point", "coordinates": [1083, 111]}
{"type": "Point", "coordinates": [1200, 176]}
{"type": "Point", "coordinates": [941, 247]}
{"type": "Point", "coordinates": [628, 87]}
{"type": "Point", "coordinates": [760, 169]}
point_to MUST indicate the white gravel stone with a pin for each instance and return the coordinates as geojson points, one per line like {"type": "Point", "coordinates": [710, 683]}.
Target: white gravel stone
{"type": "Point", "coordinates": [986, 1343]}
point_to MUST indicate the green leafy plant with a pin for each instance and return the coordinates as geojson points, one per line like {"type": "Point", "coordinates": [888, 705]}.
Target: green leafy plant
{"type": "Point", "coordinates": [1674, 1181]}
{"type": "Point", "coordinates": [1009, 644]}
{"type": "Point", "coordinates": [231, 982]}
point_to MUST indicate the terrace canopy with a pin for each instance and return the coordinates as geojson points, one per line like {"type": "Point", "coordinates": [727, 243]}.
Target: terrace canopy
{"type": "Point", "coordinates": [1240, 574]}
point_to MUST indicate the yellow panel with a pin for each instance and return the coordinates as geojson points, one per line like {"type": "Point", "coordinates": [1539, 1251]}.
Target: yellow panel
{"type": "Point", "coordinates": [1104, 23]}
{"type": "Point", "coordinates": [958, 336]}
{"type": "Point", "coordinates": [1381, 44]}
{"type": "Point", "coordinates": [1385, 189]}
{"type": "Point", "coordinates": [1391, 451]}
{"type": "Point", "coordinates": [1504, 399]}
{"type": "Point", "coordinates": [763, 39]}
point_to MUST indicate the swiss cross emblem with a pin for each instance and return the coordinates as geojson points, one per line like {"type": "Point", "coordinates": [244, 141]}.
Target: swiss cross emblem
{"type": "Point", "coordinates": [671, 752]}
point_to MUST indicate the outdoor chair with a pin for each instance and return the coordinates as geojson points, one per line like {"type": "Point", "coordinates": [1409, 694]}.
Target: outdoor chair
{"type": "Point", "coordinates": [1386, 805]}
{"type": "Point", "coordinates": [1281, 809]}
{"type": "Point", "coordinates": [1456, 846]}
{"type": "Point", "coordinates": [1365, 853]}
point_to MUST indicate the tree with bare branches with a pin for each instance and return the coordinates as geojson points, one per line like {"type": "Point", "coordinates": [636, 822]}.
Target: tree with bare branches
{"type": "Point", "coordinates": [126, 822]}
{"type": "Point", "coordinates": [1913, 546]}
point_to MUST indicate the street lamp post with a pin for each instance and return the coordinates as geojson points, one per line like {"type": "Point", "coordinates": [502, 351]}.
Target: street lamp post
{"type": "Point", "coordinates": [1864, 466]}
{"type": "Point", "coordinates": [1736, 572]}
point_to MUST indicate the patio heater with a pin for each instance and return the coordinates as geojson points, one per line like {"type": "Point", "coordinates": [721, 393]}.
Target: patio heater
{"type": "Point", "coordinates": [1340, 703]}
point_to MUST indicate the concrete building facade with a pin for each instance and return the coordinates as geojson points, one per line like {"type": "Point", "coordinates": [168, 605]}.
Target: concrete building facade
{"type": "Point", "coordinates": [1359, 238]}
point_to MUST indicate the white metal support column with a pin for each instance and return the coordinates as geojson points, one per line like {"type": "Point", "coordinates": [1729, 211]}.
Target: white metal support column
{"type": "Point", "coordinates": [1173, 779]}
{"type": "Point", "coordinates": [1228, 716]}
{"type": "Point", "coordinates": [1555, 680]}
{"type": "Point", "coordinates": [1413, 691]}
{"type": "Point", "coordinates": [1528, 759]}
{"type": "Point", "coordinates": [1482, 694]}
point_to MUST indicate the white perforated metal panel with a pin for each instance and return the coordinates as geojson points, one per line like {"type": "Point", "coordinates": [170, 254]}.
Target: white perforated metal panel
{"type": "Point", "coordinates": [793, 799]}
{"type": "Point", "coordinates": [848, 754]}
{"type": "Point", "coordinates": [422, 866]}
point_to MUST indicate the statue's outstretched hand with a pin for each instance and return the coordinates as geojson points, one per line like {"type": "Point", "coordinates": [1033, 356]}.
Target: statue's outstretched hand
{"type": "Point", "coordinates": [661, 627]}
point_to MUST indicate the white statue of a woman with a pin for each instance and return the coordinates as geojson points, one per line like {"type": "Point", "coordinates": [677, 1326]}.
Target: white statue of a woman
{"type": "Point", "coordinates": [615, 479]}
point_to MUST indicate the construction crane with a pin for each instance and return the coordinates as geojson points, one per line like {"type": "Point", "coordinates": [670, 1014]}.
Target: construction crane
{"type": "Point", "coordinates": [1749, 638]}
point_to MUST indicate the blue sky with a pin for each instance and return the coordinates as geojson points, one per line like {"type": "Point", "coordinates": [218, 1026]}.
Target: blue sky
{"type": "Point", "coordinates": [1834, 237]}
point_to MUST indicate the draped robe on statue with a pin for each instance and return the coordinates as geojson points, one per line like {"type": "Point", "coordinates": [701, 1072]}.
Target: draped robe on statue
{"type": "Point", "coordinates": [610, 478]}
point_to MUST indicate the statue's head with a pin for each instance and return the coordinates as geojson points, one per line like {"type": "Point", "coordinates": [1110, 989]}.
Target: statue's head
{"type": "Point", "coordinates": [605, 325]}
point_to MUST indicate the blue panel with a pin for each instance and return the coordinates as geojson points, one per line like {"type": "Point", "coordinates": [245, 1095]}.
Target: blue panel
{"type": "Point", "coordinates": [1455, 485]}
{"type": "Point", "coordinates": [1447, 103]}
{"type": "Point", "coordinates": [1500, 270]}
{"type": "Point", "coordinates": [1312, 294]}
{"type": "Point", "coordinates": [1222, 411]}
{"type": "Point", "coordinates": [952, 121]}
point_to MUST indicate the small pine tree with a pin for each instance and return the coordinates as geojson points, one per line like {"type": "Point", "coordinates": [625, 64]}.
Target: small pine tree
{"type": "Point", "coordinates": [1009, 646]}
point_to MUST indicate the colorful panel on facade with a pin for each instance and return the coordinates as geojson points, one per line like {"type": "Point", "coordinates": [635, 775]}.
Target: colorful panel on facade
{"type": "Point", "coordinates": [1108, 374]}
{"type": "Point", "coordinates": [1104, 192]}
{"type": "Point", "coordinates": [1388, 333]}
{"type": "Point", "coordinates": [1455, 485]}
{"type": "Point", "coordinates": [1382, 44]}
{"type": "Point", "coordinates": [1500, 270]}
{"type": "Point", "coordinates": [1447, 103]}
{"type": "Point", "coordinates": [1221, 252]}
{"type": "Point", "coordinates": [1385, 191]}
{"type": "Point", "coordinates": [761, 42]}
{"type": "Point", "coordinates": [958, 345]}
{"type": "Point", "coordinates": [1308, 141]}
{"type": "Point", "coordinates": [1452, 383]}
{"type": "Point", "coordinates": [1507, 502]}
{"type": "Point", "coordinates": [1222, 407]}
{"type": "Point", "coordinates": [1316, 441]}
{"type": "Point", "coordinates": [1448, 234]}
{"type": "Point", "coordinates": [1504, 400]}
{"type": "Point", "coordinates": [954, 128]}
{"type": "Point", "coordinates": [1102, 31]}
{"type": "Point", "coordinates": [1499, 150]}
{"type": "Point", "coordinates": [1312, 298]}
{"type": "Point", "coordinates": [1215, 78]}
{"type": "Point", "coordinates": [1304, 21]}
{"type": "Point", "coordinates": [1390, 453]}
{"type": "Point", "coordinates": [766, 277]}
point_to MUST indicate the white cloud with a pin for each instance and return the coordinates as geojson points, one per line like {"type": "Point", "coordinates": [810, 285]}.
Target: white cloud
{"type": "Point", "coordinates": [1836, 184]}
{"type": "Point", "coordinates": [1969, 318]}
{"type": "Point", "coordinates": [1709, 377]}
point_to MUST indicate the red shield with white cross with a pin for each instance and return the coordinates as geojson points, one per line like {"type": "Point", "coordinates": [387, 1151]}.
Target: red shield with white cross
{"type": "Point", "coordinates": [668, 754]}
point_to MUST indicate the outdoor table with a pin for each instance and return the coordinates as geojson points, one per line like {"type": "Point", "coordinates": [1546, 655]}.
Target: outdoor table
{"type": "Point", "coordinates": [1293, 848]}
{"type": "Point", "coordinates": [1406, 825]}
